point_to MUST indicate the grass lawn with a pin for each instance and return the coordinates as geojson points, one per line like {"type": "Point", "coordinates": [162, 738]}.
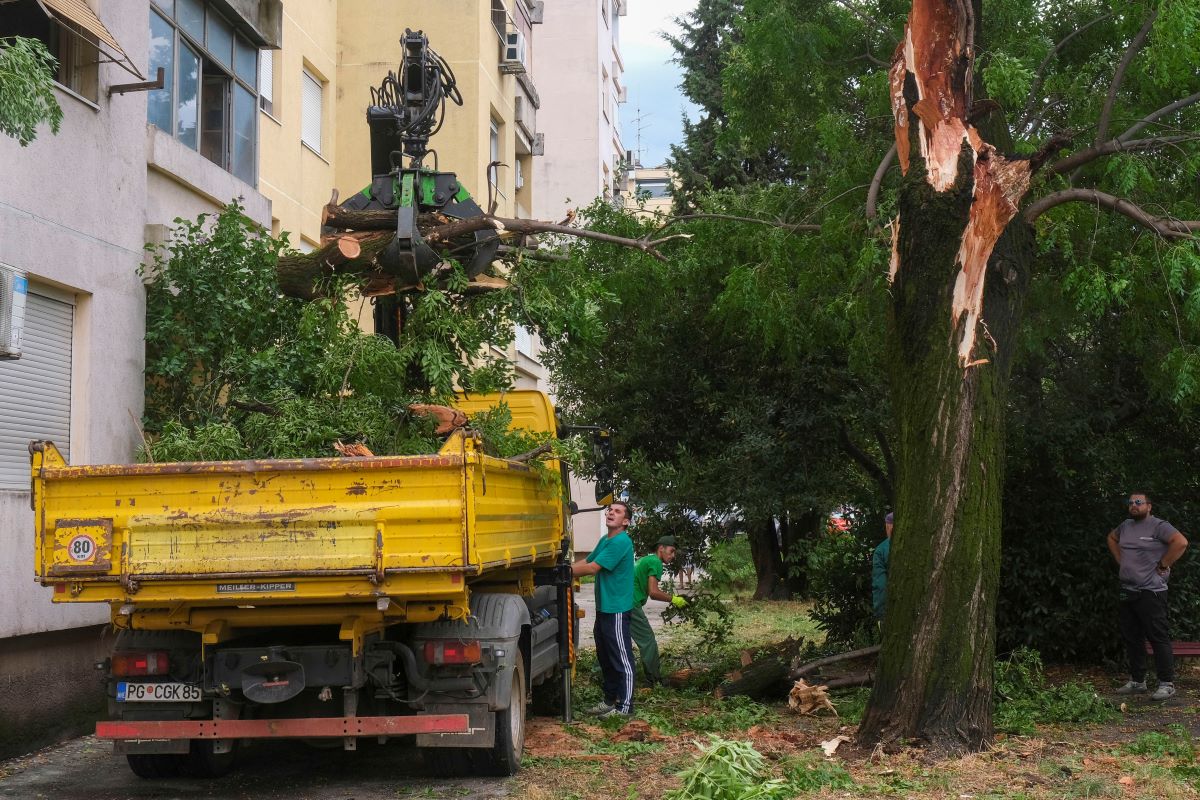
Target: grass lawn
{"type": "Point", "coordinates": [1146, 750]}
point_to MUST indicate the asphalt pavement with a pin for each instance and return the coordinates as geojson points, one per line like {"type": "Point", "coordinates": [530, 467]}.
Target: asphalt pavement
{"type": "Point", "coordinates": [85, 768]}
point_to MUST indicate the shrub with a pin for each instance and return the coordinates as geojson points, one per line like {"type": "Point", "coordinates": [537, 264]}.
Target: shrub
{"type": "Point", "coordinates": [730, 568]}
{"type": "Point", "coordinates": [1024, 698]}
{"type": "Point", "coordinates": [839, 568]}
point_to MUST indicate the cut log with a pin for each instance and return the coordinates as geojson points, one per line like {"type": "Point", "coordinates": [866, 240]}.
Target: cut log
{"type": "Point", "coordinates": [766, 676]}
{"type": "Point", "coordinates": [448, 419]}
{"type": "Point", "coordinates": [299, 274]}
{"type": "Point", "coordinates": [800, 670]}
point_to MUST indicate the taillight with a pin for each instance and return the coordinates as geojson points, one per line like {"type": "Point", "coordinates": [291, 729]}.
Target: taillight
{"type": "Point", "coordinates": [438, 653]}
{"type": "Point", "coordinates": [155, 663]}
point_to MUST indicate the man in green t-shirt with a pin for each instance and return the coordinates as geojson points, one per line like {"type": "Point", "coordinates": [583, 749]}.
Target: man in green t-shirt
{"type": "Point", "coordinates": [646, 575]}
{"type": "Point", "coordinates": [612, 564]}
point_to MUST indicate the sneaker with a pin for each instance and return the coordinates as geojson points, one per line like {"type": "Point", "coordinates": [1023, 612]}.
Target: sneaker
{"type": "Point", "coordinates": [616, 712]}
{"type": "Point", "coordinates": [1164, 691]}
{"type": "Point", "coordinates": [602, 708]}
{"type": "Point", "coordinates": [1133, 687]}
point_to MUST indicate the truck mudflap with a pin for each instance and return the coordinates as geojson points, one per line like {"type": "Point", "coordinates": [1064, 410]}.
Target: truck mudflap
{"type": "Point", "coordinates": [313, 727]}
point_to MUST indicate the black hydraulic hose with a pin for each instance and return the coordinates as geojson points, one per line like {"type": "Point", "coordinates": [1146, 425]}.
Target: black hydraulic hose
{"type": "Point", "coordinates": [415, 678]}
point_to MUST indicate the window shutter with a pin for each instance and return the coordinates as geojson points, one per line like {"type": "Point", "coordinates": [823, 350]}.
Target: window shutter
{"type": "Point", "coordinates": [35, 390]}
{"type": "Point", "coordinates": [266, 75]}
{"type": "Point", "coordinates": [310, 106]}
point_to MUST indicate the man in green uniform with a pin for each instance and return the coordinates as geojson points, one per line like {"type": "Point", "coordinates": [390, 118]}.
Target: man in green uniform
{"type": "Point", "coordinates": [612, 564]}
{"type": "Point", "coordinates": [646, 575]}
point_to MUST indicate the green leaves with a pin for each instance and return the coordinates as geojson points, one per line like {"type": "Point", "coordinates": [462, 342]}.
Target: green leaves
{"type": "Point", "coordinates": [729, 770]}
{"type": "Point", "coordinates": [1008, 80]}
{"type": "Point", "coordinates": [27, 89]}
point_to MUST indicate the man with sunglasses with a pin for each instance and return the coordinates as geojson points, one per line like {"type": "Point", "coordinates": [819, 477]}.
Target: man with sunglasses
{"type": "Point", "coordinates": [1145, 547]}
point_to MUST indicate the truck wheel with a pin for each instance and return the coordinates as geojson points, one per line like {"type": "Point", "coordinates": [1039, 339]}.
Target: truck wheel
{"type": "Point", "coordinates": [154, 766]}
{"type": "Point", "coordinates": [510, 728]}
{"type": "Point", "coordinates": [202, 762]}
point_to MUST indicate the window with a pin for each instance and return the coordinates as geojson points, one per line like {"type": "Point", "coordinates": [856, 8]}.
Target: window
{"type": "Point", "coordinates": [77, 49]}
{"type": "Point", "coordinates": [266, 81]}
{"type": "Point", "coordinates": [493, 151]}
{"type": "Point", "coordinates": [523, 339]}
{"type": "Point", "coordinates": [35, 389]}
{"type": "Point", "coordinates": [520, 173]}
{"type": "Point", "coordinates": [654, 187]}
{"type": "Point", "coordinates": [210, 94]}
{"type": "Point", "coordinates": [311, 108]}
{"type": "Point", "coordinates": [499, 18]}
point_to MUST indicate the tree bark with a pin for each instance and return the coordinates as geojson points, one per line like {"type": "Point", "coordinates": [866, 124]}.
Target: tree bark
{"type": "Point", "coordinates": [768, 561]}
{"type": "Point", "coordinates": [960, 270]}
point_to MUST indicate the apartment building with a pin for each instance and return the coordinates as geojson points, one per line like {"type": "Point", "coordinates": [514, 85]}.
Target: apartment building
{"type": "Point", "coordinates": [581, 80]}
{"type": "Point", "coordinates": [76, 211]}
{"type": "Point", "coordinates": [648, 190]}
{"type": "Point", "coordinates": [317, 87]}
{"type": "Point", "coordinates": [582, 86]}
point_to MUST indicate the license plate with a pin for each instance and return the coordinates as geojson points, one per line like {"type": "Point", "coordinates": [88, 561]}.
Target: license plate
{"type": "Point", "coordinates": [158, 693]}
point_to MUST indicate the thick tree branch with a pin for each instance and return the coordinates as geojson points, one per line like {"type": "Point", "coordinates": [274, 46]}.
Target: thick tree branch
{"type": "Point", "coordinates": [787, 226]}
{"type": "Point", "coordinates": [1150, 119]}
{"type": "Point", "coordinates": [800, 670]}
{"type": "Point", "coordinates": [860, 457]}
{"type": "Point", "coordinates": [877, 181]}
{"type": "Point", "coordinates": [1078, 159]}
{"type": "Point", "coordinates": [1164, 227]}
{"type": "Point", "coordinates": [1036, 88]}
{"type": "Point", "coordinates": [443, 233]}
{"type": "Point", "coordinates": [1119, 76]}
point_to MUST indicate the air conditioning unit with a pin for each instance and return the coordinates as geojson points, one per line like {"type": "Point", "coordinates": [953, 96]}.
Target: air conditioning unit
{"type": "Point", "coordinates": [537, 11]}
{"type": "Point", "coordinates": [14, 287]}
{"type": "Point", "coordinates": [514, 60]}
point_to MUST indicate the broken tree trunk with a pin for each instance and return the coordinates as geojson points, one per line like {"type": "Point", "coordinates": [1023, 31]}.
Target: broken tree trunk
{"type": "Point", "coordinates": [764, 677]}
{"type": "Point", "coordinates": [959, 271]}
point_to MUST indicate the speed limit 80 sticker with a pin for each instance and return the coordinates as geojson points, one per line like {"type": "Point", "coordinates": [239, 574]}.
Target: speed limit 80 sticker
{"type": "Point", "coordinates": [81, 546]}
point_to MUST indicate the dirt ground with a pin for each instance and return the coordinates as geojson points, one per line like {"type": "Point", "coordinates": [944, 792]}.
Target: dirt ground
{"type": "Point", "coordinates": [638, 760]}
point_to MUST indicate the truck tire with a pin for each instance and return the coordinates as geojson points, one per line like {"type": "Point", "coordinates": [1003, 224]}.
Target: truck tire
{"type": "Point", "coordinates": [202, 762]}
{"type": "Point", "coordinates": [505, 756]}
{"type": "Point", "coordinates": [154, 766]}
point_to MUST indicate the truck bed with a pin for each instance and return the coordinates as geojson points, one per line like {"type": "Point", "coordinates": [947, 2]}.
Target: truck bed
{"type": "Point", "coordinates": [404, 534]}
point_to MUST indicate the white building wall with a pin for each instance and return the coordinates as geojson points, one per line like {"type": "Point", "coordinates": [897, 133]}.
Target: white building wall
{"type": "Point", "coordinates": [576, 45]}
{"type": "Point", "coordinates": [579, 75]}
{"type": "Point", "coordinates": [72, 211]}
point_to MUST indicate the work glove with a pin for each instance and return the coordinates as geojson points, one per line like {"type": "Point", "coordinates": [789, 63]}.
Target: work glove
{"type": "Point", "coordinates": [679, 601]}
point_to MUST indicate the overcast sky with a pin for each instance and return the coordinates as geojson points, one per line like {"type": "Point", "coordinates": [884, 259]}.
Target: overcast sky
{"type": "Point", "coordinates": [652, 79]}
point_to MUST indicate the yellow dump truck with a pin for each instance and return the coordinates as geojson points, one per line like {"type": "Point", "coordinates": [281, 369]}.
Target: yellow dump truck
{"type": "Point", "coordinates": [324, 599]}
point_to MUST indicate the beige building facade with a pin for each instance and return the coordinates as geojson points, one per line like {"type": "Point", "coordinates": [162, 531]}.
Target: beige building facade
{"type": "Point", "coordinates": [76, 210]}
{"type": "Point", "coordinates": [318, 86]}
{"type": "Point", "coordinates": [648, 190]}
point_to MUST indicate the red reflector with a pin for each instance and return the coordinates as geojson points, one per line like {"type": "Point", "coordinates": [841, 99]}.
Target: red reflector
{"type": "Point", "coordinates": [453, 653]}
{"type": "Point", "coordinates": [155, 663]}
{"type": "Point", "coordinates": [60, 588]}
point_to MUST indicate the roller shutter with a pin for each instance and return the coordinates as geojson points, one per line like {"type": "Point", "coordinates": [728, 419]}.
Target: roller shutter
{"type": "Point", "coordinates": [35, 390]}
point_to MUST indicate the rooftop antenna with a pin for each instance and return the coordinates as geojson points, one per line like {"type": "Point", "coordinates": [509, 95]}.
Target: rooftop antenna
{"type": "Point", "coordinates": [639, 126]}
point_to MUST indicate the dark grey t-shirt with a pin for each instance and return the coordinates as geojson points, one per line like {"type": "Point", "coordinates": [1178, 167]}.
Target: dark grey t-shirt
{"type": "Point", "coordinates": [1143, 543]}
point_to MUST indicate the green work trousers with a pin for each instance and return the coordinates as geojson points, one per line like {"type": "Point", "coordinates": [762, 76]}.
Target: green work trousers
{"type": "Point", "coordinates": [643, 637]}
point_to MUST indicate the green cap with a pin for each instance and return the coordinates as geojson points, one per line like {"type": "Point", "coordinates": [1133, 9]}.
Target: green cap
{"type": "Point", "coordinates": [666, 541]}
